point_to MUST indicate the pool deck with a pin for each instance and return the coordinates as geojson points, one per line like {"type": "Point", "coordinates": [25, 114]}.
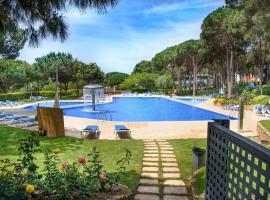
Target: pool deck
{"type": "Point", "coordinates": [164, 130]}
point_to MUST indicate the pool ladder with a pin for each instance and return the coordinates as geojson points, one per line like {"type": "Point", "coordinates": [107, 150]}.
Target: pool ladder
{"type": "Point", "coordinates": [105, 116]}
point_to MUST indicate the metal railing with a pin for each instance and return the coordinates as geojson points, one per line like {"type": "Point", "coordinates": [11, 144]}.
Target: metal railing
{"type": "Point", "coordinates": [236, 167]}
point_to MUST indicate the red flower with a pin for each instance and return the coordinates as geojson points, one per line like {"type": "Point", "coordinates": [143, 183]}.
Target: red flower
{"type": "Point", "coordinates": [64, 166]}
{"type": "Point", "coordinates": [102, 176]}
{"type": "Point", "coordinates": [82, 160]}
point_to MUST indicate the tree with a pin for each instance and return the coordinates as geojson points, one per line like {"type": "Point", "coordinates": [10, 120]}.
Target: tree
{"type": "Point", "coordinates": [12, 74]}
{"type": "Point", "coordinates": [226, 27]}
{"type": "Point", "coordinates": [60, 63]}
{"type": "Point", "coordinates": [114, 79]}
{"type": "Point", "coordinates": [257, 33]}
{"type": "Point", "coordinates": [90, 73]}
{"type": "Point", "coordinates": [164, 82]}
{"type": "Point", "coordinates": [143, 66]}
{"type": "Point", "coordinates": [41, 19]}
{"type": "Point", "coordinates": [145, 81]}
{"type": "Point", "coordinates": [11, 42]}
{"type": "Point", "coordinates": [194, 52]}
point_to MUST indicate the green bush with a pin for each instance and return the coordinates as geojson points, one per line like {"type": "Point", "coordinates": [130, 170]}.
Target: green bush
{"type": "Point", "coordinates": [262, 100]}
{"type": "Point", "coordinates": [227, 101]}
{"type": "Point", "coordinates": [26, 95]}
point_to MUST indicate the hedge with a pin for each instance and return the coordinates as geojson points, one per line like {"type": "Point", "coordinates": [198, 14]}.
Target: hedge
{"type": "Point", "coordinates": [26, 95]}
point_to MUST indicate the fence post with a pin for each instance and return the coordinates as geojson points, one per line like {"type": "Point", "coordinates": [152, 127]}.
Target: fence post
{"type": "Point", "coordinates": [241, 114]}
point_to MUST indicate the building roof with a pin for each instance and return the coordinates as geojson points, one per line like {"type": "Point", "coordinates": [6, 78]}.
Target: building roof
{"type": "Point", "coordinates": [93, 86]}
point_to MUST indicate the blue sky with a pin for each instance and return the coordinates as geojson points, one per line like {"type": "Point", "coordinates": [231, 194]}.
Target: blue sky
{"type": "Point", "coordinates": [134, 30]}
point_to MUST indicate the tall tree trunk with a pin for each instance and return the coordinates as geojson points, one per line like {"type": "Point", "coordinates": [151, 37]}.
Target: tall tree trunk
{"type": "Point", "coordinates": [66, 88]}
{"type": "Point", "coordinates": [189, 81]}
{"type": "Point", "coordinates": [77, 88]}
{"type": "Point", "coordinates": [229, 79]}
{"type": "Point", "coordinates": [194, 76]}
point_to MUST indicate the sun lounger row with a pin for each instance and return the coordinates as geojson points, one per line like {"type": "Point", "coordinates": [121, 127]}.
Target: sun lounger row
{"type": "Point", "coordinates": [17, 120]}
{"type": "Point", "coordinates": [38, 98]}
{"type": "Point", "coordinates": [93, 131]}
{"type": "Point", "coordinates": [9, 103]}
{"type": "Point", "coordinates": [136, 93]}
{"type": "Point", "coordinates": [231, 107]}
{"type": "Point", "coordinates": [129, 93]}
{"type": "Point", "coordinates": [262, 110]}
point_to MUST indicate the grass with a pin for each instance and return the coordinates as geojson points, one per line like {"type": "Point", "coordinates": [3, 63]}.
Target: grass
{"type": "Point", "coordinates": [200, 180]}
{"type": "Point", "coordinates": [266, 124]}
{"type": "Point", "coordinates": [110, 151]}
{"type": "Point", "coordinates": [183, 153]}
{"type": "Point", "coordinates": [72, 148]}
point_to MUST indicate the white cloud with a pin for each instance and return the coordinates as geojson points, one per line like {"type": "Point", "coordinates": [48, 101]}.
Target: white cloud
{"type": "Point", "coordinates": [176, 6]}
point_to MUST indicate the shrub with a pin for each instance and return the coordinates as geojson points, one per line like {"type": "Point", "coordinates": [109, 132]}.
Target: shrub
{"type": "Point", "coordinates": [262, 100]}
{"type": "Point", "coordinates": [26, 95]}
{"type": "Point", "coordinates": [77, 180]}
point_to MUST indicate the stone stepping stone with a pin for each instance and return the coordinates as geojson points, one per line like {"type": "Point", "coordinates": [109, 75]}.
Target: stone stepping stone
{"type": "Point", "coordinates": [144, 181]}
{"type": "Point", "coordinates": [171, 175]}
{"type": "Point", "coordinates": [170, 169]}
{"type": "Point", "coordinates": [150, 159]}
{"type": "Point", "coordinates": [148, 140]}
{"type": "Point", "coordinates": [167, 155]}
{"type": "Point", "coordinates": [151, 155]}
{"type": "Point", "coordinates": [166, 148]}
{"type": "Point", "coordinates": [151, 151]}
{"type": "Point", "coordinates": [170, 182]}
{"type": "Point", "coordinates": [175, 190]}
{"type": "Point", "coordinates": [150, 148]}
{"type": "Point", "coordinates": [168, 159]}
{"type": "Point", "coordinates": [172, 197]}
{"type": "Point", "coordinates": [166, 152]}
{"type": "Point", "coordinates": [154, 164]}
{"type": "Point", "coordinates": [163, 143]}
{"type": "Point", "coordinates": [148, 189]}
{"type": "Point", "coordinates": [150, 169]}
{"type": "Point", "coordinates": [161, 140]}
{"type": "Point", "coordinates": [149, 175]}
{"type": "Point", "coordinates": [169, 164]}
{"type": "Point", "coordinates": [146, 197]}
{"type": "Point", "coordinates": [150, 145]}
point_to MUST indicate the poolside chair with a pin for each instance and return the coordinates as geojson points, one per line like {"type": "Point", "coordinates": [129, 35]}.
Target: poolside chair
{"type": "Point", "coordinates": [122, 132]}
{"type": "Point", "coordinates": [12, 119]}
{"type": "Point", "coordinates": [26, 122]}
{"type": "Point", "coordinates": [92, 129]}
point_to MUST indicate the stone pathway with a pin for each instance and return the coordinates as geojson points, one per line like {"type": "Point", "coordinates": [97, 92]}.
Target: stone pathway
{"type": "Point", "coordinates": [160, 176]}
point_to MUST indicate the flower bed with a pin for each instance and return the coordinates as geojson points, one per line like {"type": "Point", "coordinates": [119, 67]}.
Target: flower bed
{"type": "Point", "coordinates": [81, 179]}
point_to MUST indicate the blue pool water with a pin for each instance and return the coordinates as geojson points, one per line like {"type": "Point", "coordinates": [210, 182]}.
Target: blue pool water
{"type": "Point", "coordinates": [50, 104]}
{"type": "Point", "coordinates": [142, 109]}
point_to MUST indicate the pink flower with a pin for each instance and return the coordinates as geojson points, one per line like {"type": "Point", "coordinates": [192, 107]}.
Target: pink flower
{"type": "Point", "coordinates": [64, 166]}
{"type": "Point", "coordinates": [102, 176]}
{"type": "Point", "coordinates": [82, 160]}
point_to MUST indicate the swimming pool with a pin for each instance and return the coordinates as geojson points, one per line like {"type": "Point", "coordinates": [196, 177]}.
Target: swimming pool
{"type": "Point", "coordinates": [138, 109]}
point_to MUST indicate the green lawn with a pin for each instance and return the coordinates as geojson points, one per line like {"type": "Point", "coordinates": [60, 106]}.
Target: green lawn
{"type": "Point", "coordinates": [110, 151]}
{"type": "Point", "coordinates": [183, 153]}
{"type": "Point", "coordinates": [72, 148]}
{"type": "Point", "coordinates": [266, 124]}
